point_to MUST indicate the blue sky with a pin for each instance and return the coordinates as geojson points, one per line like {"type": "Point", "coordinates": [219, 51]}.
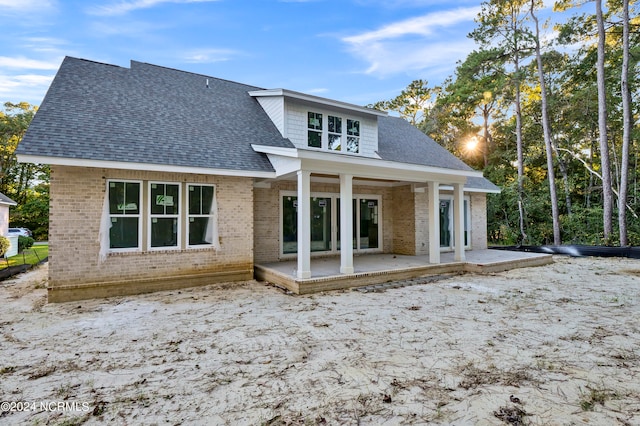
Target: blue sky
{"type": "Point", "coordinates": [358, 51]}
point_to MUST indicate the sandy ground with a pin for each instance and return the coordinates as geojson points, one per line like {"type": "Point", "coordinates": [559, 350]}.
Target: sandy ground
{"type": "Point", "coordinates": [557, 345]}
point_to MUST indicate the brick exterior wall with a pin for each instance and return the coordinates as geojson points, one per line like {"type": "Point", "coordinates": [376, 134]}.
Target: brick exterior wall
{"type": "Point", "coordinates": [77, 196]}
{"type": "Point", "coordinates": [404, 223]}
{"type": "Point", "coordinates": [478, 221]}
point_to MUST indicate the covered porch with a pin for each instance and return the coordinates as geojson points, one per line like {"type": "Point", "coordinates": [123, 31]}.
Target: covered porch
{"type": "Point", "coordinates": [372, 269]}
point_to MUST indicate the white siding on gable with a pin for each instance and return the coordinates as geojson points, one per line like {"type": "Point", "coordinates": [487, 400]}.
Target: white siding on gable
{"type": "Point", "coordinates": [274, 107]}
{"type": "Point", "coordinates": [296, 127]}
{"type": "Point", "coordinates": [369, 137]}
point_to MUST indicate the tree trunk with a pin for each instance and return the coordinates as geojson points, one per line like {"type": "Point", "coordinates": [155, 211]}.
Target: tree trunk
{"type": "Point", "coordinates": [607, 195]}
{"type": "Point", "coordinates": [523, 234]}
{"type": "Point", "coordinates": [547, 135]}
{"type": "Point", "coordinates": [626, 126]}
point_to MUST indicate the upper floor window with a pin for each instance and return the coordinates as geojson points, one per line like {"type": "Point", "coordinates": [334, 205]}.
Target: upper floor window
{"type": "Point", "coordinates": [353, 136]}
{"type": "Point", "coordinates": [315, 130]}
{"type": "Point", "coordinates": [329, 133]}
{"type": "Point", "coordinates": [335, 133]}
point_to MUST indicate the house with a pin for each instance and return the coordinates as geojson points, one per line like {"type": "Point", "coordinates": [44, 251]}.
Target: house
{"type": "Point", "coordinates": [162, 179]}
{"type": "Point", "coordinates": [5, 203]}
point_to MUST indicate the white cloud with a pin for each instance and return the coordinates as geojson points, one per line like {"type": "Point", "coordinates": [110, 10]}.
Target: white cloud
{"type": "Point", "coordinates": [317, 90]}
{"type": "Point", "coordinates": [394, 58]}
{"type": "Point", "coordinates": [21, 62]}
{"type": "Point", "coordinates": [433, 42]}
{"type": "Point", "coordinates": [206, 56]}
{"type": "Point", "coordinates": [123, 7]}
{"type": "Point", "coordinates": [24, 88]}
{"type": "Point", "coordinates": [24, 5]}
{"type": "Point", "coordinates": [421, 25]}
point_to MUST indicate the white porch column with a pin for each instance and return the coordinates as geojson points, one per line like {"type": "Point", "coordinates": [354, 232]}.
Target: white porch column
{"type": "Point", "coordinates": [458, 221]}
{"type": "Point", "coordinates": [346, 224]}
{"type": "Point", "coordinates": [434, 222]}
{"type": "Point", "coordinates": [304, 224]}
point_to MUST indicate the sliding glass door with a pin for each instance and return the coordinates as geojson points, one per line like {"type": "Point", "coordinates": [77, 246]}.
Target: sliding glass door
{"type": "Point", "coordinates": [325, 212]}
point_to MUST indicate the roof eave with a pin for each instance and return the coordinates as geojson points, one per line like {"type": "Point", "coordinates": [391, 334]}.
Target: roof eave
{"type": "Point", "coordinates": [151, 167]}
{"type": "Point", "coordinates": [316, 100]}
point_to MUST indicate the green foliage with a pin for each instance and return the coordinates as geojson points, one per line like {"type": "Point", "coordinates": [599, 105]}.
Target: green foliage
{"type": "Point", "coordinates": [25, 183]}
{"type": "Point", "coordinates": [25, 243]}
{"type": "Point", "coordinates": [34, 212]}
{"type": "Point", "coordinates": [412, 103]}
{"type": "Point", "coordinates": [4, 245]}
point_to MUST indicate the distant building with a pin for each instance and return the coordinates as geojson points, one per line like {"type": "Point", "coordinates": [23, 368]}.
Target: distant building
{"type": "Point", "coordinates": [5, 203]}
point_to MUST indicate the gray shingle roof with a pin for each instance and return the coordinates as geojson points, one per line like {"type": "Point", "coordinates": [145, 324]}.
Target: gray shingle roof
{"type": "Point", "coordinates": [150, 114]}
{"type": "Point", "coordinates": [155, 115]}
{"type": "Point", "coordinates": [399, 141]}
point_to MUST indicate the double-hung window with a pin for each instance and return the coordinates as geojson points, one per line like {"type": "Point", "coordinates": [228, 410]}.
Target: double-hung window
{"type": "Point", "coordinates": [353, 136]}
{"type": "Point", "coordinates": [314, 132]}
{"type": "Point", "coordinates": [143, 215]}
{"type": "Point", "coordinates": [335, 133]}
{"type": "Point", "coordinates": [124, 215]}
{"type": "Point", "coordinates": [202, 210]}
{"type": "Point", "coordinates": [164, 217]}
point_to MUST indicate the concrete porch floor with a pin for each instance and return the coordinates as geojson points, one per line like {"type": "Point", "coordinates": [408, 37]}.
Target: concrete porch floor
{"type": "Point", "coordinates": [379, 268]}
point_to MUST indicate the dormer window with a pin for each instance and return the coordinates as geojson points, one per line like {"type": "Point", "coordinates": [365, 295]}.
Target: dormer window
{"type": "Point", "coordinates": [315, 130]}
{"type": "Point", "coordinates": [333, 135]}
{"type": "Point", "coordinates": [353, 135]}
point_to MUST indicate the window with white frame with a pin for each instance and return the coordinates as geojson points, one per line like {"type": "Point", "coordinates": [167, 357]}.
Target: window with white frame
{"type": "Point", "coordinates": [124, 215]}
{"type": "Point", "coordinates": [330, 133]}
{"type": "Point", "coordinates": [200, 223]}
{"type": "Point", "coordinates": [164, 215]}
{"type": "Point", "coordinates": [173, 220]}
{"type": "Point", "coordinates": [353, 136]}
{"type": "Point", "coordinates": [334, 131]}
{"type": "Point", "coordinates": [314, 132]}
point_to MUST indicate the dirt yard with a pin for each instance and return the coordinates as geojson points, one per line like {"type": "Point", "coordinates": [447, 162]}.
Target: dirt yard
{"type": "Point", "coordinates": [558, 344]}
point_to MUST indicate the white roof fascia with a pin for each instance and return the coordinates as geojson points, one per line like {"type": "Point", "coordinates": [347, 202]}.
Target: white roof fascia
{"type": "Point", "coordinates": [317, 100]}
{"type": "Point", "coordinates": [76, 162]}
{"type": "Point", "coordinates": [354, 161]}
{"type": "Point", "coordinates": [324, 162]}
{"type": "Point", "coordinates": [471, 189]}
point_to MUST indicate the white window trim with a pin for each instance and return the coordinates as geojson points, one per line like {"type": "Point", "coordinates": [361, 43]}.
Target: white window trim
{"type": "Point", "coordinates": [188, 215]}
{"type": "Point", "coordinates": [334, 222]}
{"type": "Point", "coordinates": [140, 216]}
{"type": "Point", "coordinates": [450, 198]}
{"type": "Point", "coordinates": [324, 138]}
{"type": "Point", "coordinates": [151, 216]}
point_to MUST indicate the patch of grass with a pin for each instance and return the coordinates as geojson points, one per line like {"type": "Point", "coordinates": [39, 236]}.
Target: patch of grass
{"type": "Point", "coordinates": [42, 371]}
{"type": "Point", "coordinates": [7, 370]}
{"type": "Point", "coordinates": [474, 376]}
{"type": "Point", "coordinates": [31, 256]}
{"type": "Point", "coordinates": [594, 396]}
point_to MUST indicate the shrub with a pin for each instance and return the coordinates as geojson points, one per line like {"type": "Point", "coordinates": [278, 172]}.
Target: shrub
{"type": "Point", "coordinates": [4, 245]}
{"type": "Point", "coordinates": [25, 243]}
